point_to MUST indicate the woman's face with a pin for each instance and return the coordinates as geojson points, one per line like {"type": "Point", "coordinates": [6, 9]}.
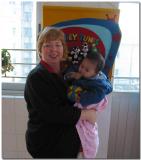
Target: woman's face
{"type": "Point", "coordinates": [52, 51]}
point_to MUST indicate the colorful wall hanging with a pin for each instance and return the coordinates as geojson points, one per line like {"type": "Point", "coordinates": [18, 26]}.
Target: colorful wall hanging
{"type": "Point", "coordinates": [87, 27]}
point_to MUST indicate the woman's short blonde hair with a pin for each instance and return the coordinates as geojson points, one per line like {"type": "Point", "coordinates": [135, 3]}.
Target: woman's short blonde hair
{"type": "Point", "coordinates": [48, 35]}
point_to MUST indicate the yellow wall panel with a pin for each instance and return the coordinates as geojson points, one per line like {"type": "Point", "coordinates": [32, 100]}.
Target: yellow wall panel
{"type": "Point", "coordinates": [55, 14]}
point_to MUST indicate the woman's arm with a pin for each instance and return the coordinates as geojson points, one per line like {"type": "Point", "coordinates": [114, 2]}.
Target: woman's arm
{"type": "Point", "coordinates": [44, 105]}
{"type": "Point", "coordinates": [47, 100]}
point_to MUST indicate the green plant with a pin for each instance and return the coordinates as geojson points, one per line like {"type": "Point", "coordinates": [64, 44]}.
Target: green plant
{"type": "Point", "coordinates": [6, 61]}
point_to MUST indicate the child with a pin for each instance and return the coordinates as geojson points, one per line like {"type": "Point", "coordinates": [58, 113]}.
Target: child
{"type": "Point", "coordinates": [88, 89]}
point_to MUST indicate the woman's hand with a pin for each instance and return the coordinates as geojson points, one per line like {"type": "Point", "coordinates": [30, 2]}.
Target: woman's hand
{"type": "Point", "coordinates": [89, 115]}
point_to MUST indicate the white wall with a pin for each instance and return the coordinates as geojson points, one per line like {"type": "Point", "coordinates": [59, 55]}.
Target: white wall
{"type": "Point", "coordinates": [121, 142]}
{"type": "Point", "coordinates": [14, 124]}
{"type": "Point", "coordinates": [124, 137]}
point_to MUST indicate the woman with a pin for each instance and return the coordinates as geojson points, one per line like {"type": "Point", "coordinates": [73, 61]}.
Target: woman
{"type": "Point", "coordinates": [51, 131]}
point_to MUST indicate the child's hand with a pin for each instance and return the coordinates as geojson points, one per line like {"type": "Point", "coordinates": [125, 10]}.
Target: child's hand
{"type": "Point", "coordinates": [75, 75]}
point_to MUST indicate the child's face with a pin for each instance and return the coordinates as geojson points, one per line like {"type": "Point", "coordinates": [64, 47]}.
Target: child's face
{"type": "Point", "coordinates": [87, 68]}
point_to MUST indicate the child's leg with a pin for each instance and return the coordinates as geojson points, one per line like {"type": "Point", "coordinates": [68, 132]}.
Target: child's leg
{"type": "Point", "coordinates": [96, 141]}
{"type": "Point", "coordinates": [90, 141]}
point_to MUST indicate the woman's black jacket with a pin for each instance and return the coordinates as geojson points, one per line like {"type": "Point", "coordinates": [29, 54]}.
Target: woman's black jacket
{"type": "Point", "coordinates": [51, 131]}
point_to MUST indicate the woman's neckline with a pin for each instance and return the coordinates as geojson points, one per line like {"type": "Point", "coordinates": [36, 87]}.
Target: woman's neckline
{"type": "Point", "coordinates": [50, 68]}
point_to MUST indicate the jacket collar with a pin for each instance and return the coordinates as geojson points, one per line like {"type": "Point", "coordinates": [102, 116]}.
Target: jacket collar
{"type": "Point", "coordinates": [49, 68]}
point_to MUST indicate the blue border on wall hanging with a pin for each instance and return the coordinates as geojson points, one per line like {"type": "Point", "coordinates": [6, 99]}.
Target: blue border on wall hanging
{"type": "Point", "coordinates": [90, 23]}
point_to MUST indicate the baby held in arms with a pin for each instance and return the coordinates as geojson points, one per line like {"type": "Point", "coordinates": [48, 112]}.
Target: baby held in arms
{"type": "Point", "coordinates": [87, 88]}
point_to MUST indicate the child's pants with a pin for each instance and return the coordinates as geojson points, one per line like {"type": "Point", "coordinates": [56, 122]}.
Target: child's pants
{"type": "Point", "coordinates": [88, 134]}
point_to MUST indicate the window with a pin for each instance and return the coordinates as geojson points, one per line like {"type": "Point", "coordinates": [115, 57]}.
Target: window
{"type": "Point", "coordinates": [19, 37]}
{"type": "Point", "coordinates": [126, 72]}
{"type": "Point", "coordinates": [27, 45]}
{"type": "Point", "coordinates": [27, 16]}
{"type": "Point", "coordinates": [27, 32]}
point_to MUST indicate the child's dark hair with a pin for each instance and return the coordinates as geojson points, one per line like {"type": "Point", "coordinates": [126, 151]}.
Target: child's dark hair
{"type": "Point", "coordinates": [96, 57]}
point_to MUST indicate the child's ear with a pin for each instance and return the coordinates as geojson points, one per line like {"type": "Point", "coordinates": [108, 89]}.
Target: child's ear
{"type": "Point", "coordinates": [97, 70]}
